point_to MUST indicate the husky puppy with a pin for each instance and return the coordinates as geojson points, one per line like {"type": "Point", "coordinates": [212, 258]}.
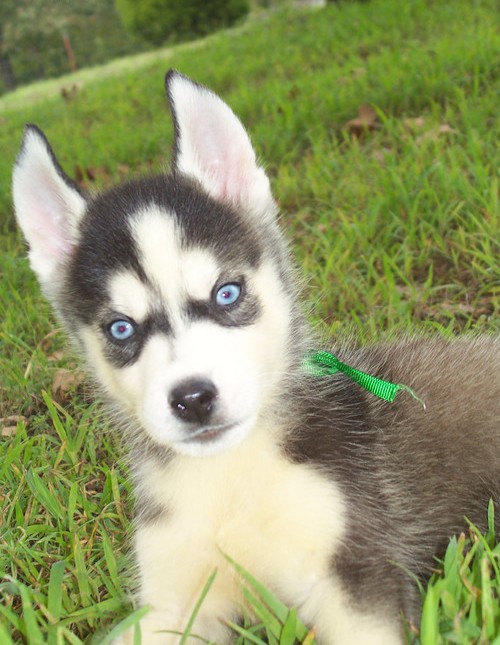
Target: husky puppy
{"type": "Point", "coordinates": [180, 293]}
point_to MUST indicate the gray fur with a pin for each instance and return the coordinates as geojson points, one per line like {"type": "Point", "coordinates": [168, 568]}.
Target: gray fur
{"type": "Point", "coordinates": [412, 475]}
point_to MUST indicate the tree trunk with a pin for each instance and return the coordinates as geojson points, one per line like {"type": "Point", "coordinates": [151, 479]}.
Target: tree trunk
{"type": "Point", "coordinates": [69, 52]}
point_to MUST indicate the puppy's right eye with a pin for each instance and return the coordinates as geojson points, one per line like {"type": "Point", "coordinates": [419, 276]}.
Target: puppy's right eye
{"type": "Point", "coordinates": [121, 330]}
{"type": "Point", "coordinates": [228, 294]}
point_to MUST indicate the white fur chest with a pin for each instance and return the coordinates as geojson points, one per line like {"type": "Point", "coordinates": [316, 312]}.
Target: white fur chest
{"type": "Point", "coordinates": [281, 521]}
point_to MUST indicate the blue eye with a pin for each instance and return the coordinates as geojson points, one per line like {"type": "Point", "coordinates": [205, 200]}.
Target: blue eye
{"type": "Point", "coordinates": [121, 329]}
{"type": "Point", "coordinates": [228, 294]}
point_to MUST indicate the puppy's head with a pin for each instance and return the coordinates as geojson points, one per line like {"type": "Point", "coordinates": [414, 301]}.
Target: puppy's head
{"type": "Point", "coordinates": [175, 286]}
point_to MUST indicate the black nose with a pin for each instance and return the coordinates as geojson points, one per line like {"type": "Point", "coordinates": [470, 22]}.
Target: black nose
{"type": "Point", "coordinates": [193, 400]}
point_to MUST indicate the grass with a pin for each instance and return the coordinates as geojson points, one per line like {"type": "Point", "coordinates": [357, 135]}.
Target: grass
{"type": "Point", "coordinates": [461, 604]}
{"type": "Point", "coordinates": [397, 230]}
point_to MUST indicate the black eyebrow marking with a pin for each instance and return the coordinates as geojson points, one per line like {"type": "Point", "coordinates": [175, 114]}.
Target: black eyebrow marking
{"type": "Point", "coordinates": [241, 314]}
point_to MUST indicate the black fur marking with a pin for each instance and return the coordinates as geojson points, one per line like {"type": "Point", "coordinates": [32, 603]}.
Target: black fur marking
{"type": "Point", "coordinates": [145, 449]}
{"type": "Point", "coordinates": [106, 247]}
{"type": "Point", "coordinates": [125, 353]}
{"type": "Point", "coordinates": [149, 512]}
{"type": "Point", "coordinates": [107, 243]}
{"type": "Point", "coordinates": [212, 225]}
{"type": "Point", "coordinates": [170, 76]}
{"type": "Point", "coordinates": [243, 312]}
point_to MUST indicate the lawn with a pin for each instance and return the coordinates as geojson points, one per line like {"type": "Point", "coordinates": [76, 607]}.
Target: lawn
{"type": "Point", "coordinates": [378, 125]}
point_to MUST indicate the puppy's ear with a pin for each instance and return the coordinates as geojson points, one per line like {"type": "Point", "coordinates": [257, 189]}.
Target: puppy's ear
{"type": "Point", "coordinates": [48, 206]}
{"type": "Point", "coordinates": [212, 146]}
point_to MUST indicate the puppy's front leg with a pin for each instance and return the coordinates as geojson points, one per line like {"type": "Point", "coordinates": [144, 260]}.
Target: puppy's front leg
{"type": "Point", "coordinates": [175, 565]}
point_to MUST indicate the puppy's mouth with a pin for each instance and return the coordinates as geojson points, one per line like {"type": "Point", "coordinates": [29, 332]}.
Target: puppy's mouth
{"type": "Point", "coordinates": [207, 434]}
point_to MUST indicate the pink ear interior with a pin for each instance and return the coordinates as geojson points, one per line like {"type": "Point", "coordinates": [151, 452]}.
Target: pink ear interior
{"type": "Point", "coordinates": [46, 224]}
{"type": "Point", "coordinates": [212, 144]}
{"type": "Point", "coordinates": [222, 151]}
{"type": "Point", "coordinates": [47, 206]}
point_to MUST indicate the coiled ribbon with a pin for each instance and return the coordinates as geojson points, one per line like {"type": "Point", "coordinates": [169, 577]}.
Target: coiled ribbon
{"type": "Point", "coordinates": [322, 363]}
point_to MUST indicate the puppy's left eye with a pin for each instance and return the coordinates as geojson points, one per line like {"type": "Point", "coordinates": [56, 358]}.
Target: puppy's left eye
{"type": "Point", "coordinates": [228, 294]}
{"type": "Point", "coordinates": [121, 330]}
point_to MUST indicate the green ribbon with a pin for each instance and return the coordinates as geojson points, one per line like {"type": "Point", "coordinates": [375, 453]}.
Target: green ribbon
{"type": "Point", "coordinates": [323, 363]}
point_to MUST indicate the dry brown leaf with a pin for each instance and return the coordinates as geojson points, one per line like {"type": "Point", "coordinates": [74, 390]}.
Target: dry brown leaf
{"type": "Point", "coordinates": [445, 128]}
{"type": "Point", "coordinates": [92, 174]}
{"type": "Point", "coordinates": [68, 93]}
{"type": "Point", "coordinates": [382, 153]}
{"type": "Point", "coordinates": [358, 71]}
{"type": "Point", "coordinates": [64, 383]}
{"type": "Point", "coordinates": [414, 124]}
{"type": "Point", "coordinates": [8, 425]}
{"type": "Point", "coordinates": [365, 121]}
{"type": "Point", "coordinates": [99, 173]}
{"type": "Point", "coordinates": [56, 356]}
{"type": "Point", "coordinates": [46, 341]}
{"type": "Point", "coordinates": [434, 133]}
{"type": "Point", "coordinates": [44, 344]}
{"type": "Point", "coordinates": [123, 170]}
{"type": "Point", "coordinates": [79, 174]}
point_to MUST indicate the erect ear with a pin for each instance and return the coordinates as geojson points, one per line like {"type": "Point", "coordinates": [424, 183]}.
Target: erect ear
{"type": "Point", "coordinates": [212, 146]}
{"type": "Point", "coordinates": [48, 206]}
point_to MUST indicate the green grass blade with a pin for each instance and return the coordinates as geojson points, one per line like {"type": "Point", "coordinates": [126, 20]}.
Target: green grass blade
{"type": "Point", "coordinates": [487, 595]}
{"type": "Point", "coordinates": [110, 556]}
{"type": "Point", "coordinates": [82, 575]}
{"type": "Point", "coordinates": [271, 624]}
{"type": "Point", "coordinates": [289, 631]}
{"type": "Point", "coordinates": [246, 634]}
{"type": "Point", "coordinates": [5, 638]}
{"type": "Point", "coordinates": [55, 592]}
{"type": "Point", "coordinates": [32, 629]}
{"type": "Point", "coordinates": [127, 623]}
{"type": "Point", "coordinates": [41, 492]}
{"type": "Point", "coordinates": [279, 608]}
{"type": "Point", "coordinates": [197, 607]}
{"type": "Point", "coordinates": [9, 616]}
{"type": "Point", "coordinates": [270, 605]}
{"type": "Point", "coordinates": [429, 628]}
